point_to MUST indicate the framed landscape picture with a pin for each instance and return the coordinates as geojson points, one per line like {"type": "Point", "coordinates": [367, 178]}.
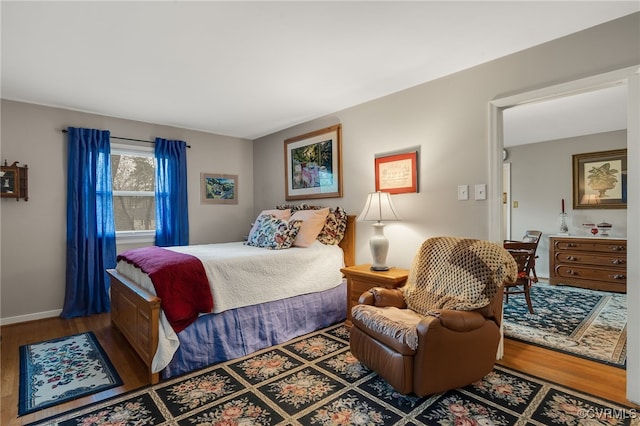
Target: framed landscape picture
{"type": "Point", "coordinates": [313, 166]}
{"type": "Point", "coordinates": [218, 188]}
{"type": "Point", "coordinates": [600, 180]}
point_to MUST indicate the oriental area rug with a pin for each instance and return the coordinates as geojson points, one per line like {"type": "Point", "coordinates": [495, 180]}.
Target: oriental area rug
{"type": "Point", "coordinates": [314, 380]}
{"type": "Point", "coordinates": [587, 323]}
{"type": "Point", "coordinates": [59, 370]}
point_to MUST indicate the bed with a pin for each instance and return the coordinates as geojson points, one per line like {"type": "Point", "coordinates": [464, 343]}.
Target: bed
{"type": "Point", "coordinates": [233, 331]}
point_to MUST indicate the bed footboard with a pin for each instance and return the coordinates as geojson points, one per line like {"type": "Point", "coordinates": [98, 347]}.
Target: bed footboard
{"type": "Point", "coordinates": [136, 313]}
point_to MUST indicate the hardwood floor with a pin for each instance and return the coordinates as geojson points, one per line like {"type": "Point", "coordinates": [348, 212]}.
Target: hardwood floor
{"type": "Point", "coordinates": [131, 369]}
{"type": "Point", "coordinates": [590, 377]}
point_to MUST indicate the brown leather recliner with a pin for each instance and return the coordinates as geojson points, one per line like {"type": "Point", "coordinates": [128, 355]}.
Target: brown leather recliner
{"type": "Point", "coordinates": [441, 330]}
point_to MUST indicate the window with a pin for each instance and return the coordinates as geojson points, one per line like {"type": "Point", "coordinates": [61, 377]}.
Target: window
{"type": "Point", "coordinates": [133, 173]}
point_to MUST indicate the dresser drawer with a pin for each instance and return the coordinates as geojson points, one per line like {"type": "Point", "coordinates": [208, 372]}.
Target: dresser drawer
{"type": "Point", "coordinates": [592, 246]}
{"type": "Point", "coordinates": [595, 274]}
{"type": "Point", "coordinates": [567, 257]}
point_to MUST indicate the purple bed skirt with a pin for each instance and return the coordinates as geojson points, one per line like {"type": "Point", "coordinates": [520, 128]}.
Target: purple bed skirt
{"type": "Point", "coordinates": [238, 332]}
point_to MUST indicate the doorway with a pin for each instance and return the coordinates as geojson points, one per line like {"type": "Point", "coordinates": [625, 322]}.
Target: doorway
{"type": "Point", "coordinates": [540, 139]}
{"type": "Point", "coordinates": [630, 77]}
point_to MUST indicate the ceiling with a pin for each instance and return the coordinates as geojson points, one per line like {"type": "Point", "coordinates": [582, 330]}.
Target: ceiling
{"type": "Point", "coordinates": [248, 69]}
{"type": "Point", "coordinates": [597, 111]}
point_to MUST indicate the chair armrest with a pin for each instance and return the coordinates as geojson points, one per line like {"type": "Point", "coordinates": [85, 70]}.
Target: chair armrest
{"type": "Point", "coordinates": [379, 296]}
{"type": "Point", "coordinates": [367, 298]}
{"type": "Point", "coordinates": [455, 320]}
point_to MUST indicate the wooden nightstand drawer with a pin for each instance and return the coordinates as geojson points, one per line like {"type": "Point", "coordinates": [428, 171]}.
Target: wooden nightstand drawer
{"type": "Point", "coordinates": [361, 278]}
{"type": "Point", "coordinates": [358, 286]}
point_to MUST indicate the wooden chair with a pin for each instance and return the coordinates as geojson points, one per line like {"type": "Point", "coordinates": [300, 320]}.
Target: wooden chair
{"type": "Point", "coordinates": [524, 255]}
{"type": "Point", "coordinates": [530, 236]}
{"type": "Point", "coordinates": [533, 237]}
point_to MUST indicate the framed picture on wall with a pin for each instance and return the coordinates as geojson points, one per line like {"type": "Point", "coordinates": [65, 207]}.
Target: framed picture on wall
{"type": "Point", "coordinates": [218, 188]}
{"type": "Point", "coordinates": [313, 165]}
{"type": "Point", "coordinates": [600, 180]}
{"type": "Point", "coordinates": [397, 173]}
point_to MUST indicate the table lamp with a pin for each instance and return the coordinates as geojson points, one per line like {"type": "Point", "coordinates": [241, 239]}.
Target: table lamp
{"type": "Point", "coordinates": [377, 208]}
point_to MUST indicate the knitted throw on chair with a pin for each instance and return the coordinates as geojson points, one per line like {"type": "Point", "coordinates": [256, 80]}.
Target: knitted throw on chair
{"type": "Point", "coordinates": [457, 273]}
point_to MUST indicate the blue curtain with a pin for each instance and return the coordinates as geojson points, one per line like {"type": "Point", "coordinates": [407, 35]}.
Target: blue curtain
{"type": "Point", "coordinates": [172, 213]}
{"type": "Point", "coordinates": [91, 235]}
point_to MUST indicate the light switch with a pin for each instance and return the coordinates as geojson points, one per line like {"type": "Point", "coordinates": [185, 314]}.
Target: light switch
{"type": "Point", "coordinates": [463, 192]}
{"type": "Point", "coordinates": [481, 191]}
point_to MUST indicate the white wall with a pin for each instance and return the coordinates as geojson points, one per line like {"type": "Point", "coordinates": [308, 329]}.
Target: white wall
{"type": "Point", "coordinates": [34, 232]}
{"type": "Point", "coordinates": [541, 176]}
{"type": "Point", "coordinates": [448, 119]}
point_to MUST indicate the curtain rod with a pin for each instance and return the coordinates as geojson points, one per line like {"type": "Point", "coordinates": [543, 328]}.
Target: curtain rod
{"type": "Point", "coordinates": [123, 139]}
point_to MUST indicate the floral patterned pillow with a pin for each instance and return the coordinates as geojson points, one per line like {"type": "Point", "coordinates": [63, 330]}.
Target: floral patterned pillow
{"type": "Point", "coordinates": [273, 233]}
{"type": "Point", "coordinates": [334, 227]}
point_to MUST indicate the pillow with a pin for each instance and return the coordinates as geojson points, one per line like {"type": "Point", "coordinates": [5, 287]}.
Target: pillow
{"type": "Point", "coordinates": [334, 227]}
{"type": "Point", "coordinates": [274, 233]}
{"type": "Point", "coordinates": [283, 214]}
{"type": "Point", "coordinates": [312, 224]}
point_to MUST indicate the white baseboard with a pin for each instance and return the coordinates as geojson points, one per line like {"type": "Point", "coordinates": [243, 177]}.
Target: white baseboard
{"type": "Point", "coordinates": [30, 317]}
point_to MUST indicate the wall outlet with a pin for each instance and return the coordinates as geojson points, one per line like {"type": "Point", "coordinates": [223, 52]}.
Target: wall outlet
{"type": "Point", "coordinates": [463, 192]}
{"type": "Point", "coordinates": [481, 191]}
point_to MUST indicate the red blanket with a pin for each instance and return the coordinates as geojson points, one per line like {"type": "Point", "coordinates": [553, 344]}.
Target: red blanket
{"type": "Point", "coordinates": [179, 279]}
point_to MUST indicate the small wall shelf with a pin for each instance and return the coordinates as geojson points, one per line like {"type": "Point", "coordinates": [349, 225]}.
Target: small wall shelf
{"type": "Point", "coordinates": [14, 181]}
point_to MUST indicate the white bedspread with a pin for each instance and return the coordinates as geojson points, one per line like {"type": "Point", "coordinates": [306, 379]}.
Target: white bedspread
{"type": "Point", "coordinates": [241, 275]}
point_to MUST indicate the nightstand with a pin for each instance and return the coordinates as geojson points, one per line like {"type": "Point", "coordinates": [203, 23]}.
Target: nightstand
{"type": "Point", "coordinates": [361, 278]}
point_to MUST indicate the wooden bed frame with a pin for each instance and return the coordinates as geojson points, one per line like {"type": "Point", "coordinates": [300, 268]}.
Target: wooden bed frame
{"type": "Point", "coordinates": [136, 312]}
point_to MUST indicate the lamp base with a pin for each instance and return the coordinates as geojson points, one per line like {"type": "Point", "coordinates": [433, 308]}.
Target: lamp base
{"type": "Point", "coordinates": [379, 268]}
{"type": "Point", "coordinates": [379, 246]}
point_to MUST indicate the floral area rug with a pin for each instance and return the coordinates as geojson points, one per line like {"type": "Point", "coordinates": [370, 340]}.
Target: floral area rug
{"type": "Point", "coordinates": [314, 380]}
{"type": "Point", "coordinates": [588, 323]}
{"type": "Point", "coordinates": [59, 370]}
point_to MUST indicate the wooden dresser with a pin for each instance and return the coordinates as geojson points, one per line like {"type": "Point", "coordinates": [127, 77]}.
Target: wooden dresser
{"type": "Point", "coordinates": [595, 263]}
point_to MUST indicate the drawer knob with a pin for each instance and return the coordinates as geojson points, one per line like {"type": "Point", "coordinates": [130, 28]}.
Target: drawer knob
{"type": "Point", "coordinates": [572, 258]}
{"type": "Point", "coordinates": [617, 248]}
{"type": "Point", "coordinates": [618, 277]}
{"type": "Point", "coordinates": [572, 245]}
{"type": "Point", "coordinates": [618, 261]}
{"type": "Point", "coordinates": [571, 272]}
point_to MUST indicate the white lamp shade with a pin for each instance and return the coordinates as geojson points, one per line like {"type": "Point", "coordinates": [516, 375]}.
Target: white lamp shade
{"type": "Point", "coordinates": [378, 207]}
